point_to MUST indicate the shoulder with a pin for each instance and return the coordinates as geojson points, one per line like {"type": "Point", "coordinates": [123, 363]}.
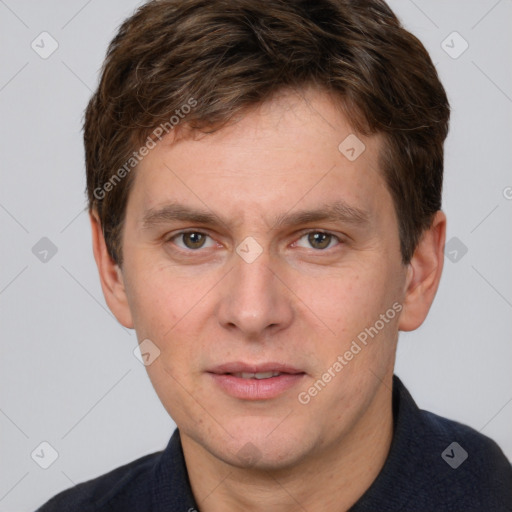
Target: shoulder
{"type": "Point", "coordinates": [479, 458]}
{"type": "Point", "coordinates": [127, 484]}
{"type": "Point", "coordinates": [435, 463]}
{"type": "Point", "coordinates": [454, 466]}
{"type": "Point", "coordinates": [468, 471]}
{"type": "Point", "coordinates": [481, 448]}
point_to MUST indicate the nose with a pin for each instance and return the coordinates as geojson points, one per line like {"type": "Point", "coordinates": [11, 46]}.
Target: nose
{"type": "Point", "coordinates": [255, 299]}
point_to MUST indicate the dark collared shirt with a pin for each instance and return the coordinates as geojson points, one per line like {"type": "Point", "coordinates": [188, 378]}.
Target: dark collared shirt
{"type": "Point", "coordinates": [434, 465]}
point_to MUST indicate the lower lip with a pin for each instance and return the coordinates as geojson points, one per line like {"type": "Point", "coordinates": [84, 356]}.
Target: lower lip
{"type": "Point", "coordinates": [256, 389]}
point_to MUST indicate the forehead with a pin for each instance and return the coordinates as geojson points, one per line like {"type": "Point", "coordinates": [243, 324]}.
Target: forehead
{"type": "Point", "coordinates": [293, 152]}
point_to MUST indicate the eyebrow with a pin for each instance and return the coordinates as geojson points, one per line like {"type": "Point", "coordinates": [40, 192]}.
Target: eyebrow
{"type": "Point", "coordinates": [338, 211]}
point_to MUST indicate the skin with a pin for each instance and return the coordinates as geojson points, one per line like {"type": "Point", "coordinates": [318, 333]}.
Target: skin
{"type": "Point", "coordinates": [298, 303]}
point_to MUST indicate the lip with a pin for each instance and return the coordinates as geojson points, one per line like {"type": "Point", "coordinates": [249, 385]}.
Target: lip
{"type": "Point", "coordinates": [255, 389]}
{"type": "Point", "coordinates": [239, 367]}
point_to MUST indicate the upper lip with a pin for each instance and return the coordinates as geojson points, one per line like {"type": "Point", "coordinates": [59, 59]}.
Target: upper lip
{"type": "Point", "coordinates": [240, 367]}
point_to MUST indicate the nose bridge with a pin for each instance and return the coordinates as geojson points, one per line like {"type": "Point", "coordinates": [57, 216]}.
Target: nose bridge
{"type": "Point", "coordinates": [254, 299]}
{"type": "Point", "coordinates": [253, 275]}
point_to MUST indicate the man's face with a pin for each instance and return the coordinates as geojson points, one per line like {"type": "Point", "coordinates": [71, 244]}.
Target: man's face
{"type": "Point", "coordinates": [262, 289]}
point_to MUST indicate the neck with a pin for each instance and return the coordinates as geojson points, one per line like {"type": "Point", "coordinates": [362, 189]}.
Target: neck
{"type": "Point", "coordinates": [331, 480]}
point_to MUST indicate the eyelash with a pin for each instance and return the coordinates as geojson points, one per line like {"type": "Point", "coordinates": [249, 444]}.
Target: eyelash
{"type": "Point", "coordinates": [302, 234]}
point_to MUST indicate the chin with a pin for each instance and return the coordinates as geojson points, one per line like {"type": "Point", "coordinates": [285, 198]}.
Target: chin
{"type": "Point", "coordinates": [261, 443]}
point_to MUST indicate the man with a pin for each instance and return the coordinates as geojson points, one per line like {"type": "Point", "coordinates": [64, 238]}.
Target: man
{"type": "Point", "coordinates": [264, 181]}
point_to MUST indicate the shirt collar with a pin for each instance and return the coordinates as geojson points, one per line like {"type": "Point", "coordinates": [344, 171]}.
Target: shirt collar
{"type": "Point", "coordinates": [171, 485]}
{"type": "Point", "coordinates": [401, 462]}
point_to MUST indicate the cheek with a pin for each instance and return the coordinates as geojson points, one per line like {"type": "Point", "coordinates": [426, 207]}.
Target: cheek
{"type": "Point", "coordinates": [157, 303]}
{"type": "Point", "coordinates": [345, 309]}
{"type": "Point", "coordinates": [172, 311]}
{"type": "Point", "coordinates": [344, 300]}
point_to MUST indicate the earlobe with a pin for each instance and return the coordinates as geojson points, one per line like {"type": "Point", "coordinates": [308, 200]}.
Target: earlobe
{"type": "Point", "coordinates": [111, 276]}
{"type": "Point", "coordinates": [423, 275]}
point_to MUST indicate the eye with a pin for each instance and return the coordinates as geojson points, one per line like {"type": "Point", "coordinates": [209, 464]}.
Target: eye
{"type": "Point", "coordinates": [190, 239]}
{"type": "Point", "coordinates": [319, 240]}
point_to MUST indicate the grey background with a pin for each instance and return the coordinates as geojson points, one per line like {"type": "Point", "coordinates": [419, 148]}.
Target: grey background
{"type": "Point", "coordinates": [68, 375]}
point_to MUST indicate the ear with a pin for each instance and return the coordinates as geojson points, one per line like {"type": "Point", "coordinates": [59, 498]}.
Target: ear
{"type": "Point", "coordinates": [111, 276]}
{"type": "Point", "coordinates": [423, 275]}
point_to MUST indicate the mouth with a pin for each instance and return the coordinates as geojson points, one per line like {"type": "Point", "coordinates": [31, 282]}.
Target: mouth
{"type": "Point", "coordinates": [255, 382]}
{"type": "Point", "coordinates": [259, 376]}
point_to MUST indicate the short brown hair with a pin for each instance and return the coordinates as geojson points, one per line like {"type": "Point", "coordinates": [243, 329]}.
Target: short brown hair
{"type": "Point", "coordinates": [230, 55]}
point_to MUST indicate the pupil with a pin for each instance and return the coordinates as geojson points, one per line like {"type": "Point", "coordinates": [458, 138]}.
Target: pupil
{"type": "Point", "coordinates": [319, 238]}
{"type": "Point", "coordinates": [197, 239]}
